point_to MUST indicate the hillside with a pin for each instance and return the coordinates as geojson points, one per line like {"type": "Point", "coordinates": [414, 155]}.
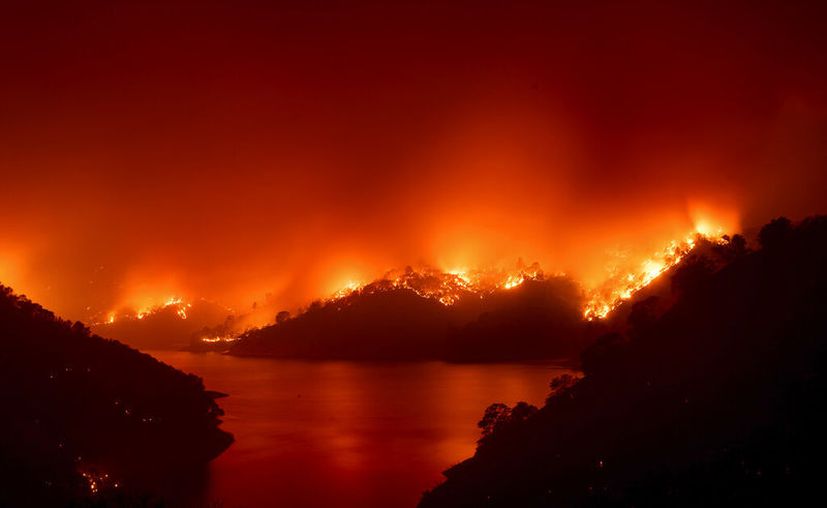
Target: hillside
{"type": "Point", "coordinates": [540, 319]}
{"type": "Point", "coordinates": [438, 316]}
{"type": "Point", "coordinates": [88, 418]}
{"type": "Point", "coordinates": [717, 399]}
{"type": "Point", "coordinates": [167, 326]}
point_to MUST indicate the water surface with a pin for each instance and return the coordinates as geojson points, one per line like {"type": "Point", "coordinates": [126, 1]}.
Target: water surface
{"type": "Point", "coordinates": [340, 434]}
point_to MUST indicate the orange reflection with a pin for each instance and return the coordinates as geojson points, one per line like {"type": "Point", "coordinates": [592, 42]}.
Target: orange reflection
{"type": "Point", "coordinates": [372, 434]}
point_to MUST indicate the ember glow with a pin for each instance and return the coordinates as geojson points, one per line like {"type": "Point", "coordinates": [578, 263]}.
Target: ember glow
{"type": "Point", "coordinates": [270, 154]}
{"type": "Point", "coordinates": [447, 287]}
{"type": "Point", "coordinates": [620, 282]}
{"type": "Point", "coordinates": [450, 286]}
{"type": "Point", "coordinates": [622, 286]}
{"type": "Point", "coordinates": [176, 303]}
{"type": "Point", "coordinates": [98, 481]}
{"type": "Point", "coordinates": [442, 183]}
{"type": "Point", "coordinates": [219, 339]}
{"type": "Point", "coordinates": [623, 282]}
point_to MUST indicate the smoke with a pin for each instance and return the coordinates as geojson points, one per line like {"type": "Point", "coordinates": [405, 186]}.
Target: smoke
{"type": "Point", "coordinates": [260, 153]}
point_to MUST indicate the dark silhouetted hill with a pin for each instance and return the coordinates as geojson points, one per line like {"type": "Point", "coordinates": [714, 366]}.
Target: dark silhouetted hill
{"type": "Point", "coordinates": [86, 418]}
{"type": "Point", "coordinates": [539, 319]}
{"type": "Point", "coordinates": [384, 325]}
{"type": "Point", "coordinates": [716, 399]}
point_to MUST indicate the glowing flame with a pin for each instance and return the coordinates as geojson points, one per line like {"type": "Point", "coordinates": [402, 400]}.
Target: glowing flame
{"type": "Point", "coordinates": [445, 287]}
{"type": "Point", "coordinates": [706, 230]}
{"type": "Point", "coordinates": [349, 288]}
{"type": "Point", "coordinates": [620, 288]}
{"type": "Point", "coordinates": [97, 481]}
{"type": "Point", "coordinates": [175, 302]}
{"type": "Point", "coordinates": [450, 286]}
{"type": "Point", "coordinates": [513, 281]}
{"type": "Point", "coordinates": [219, 338]}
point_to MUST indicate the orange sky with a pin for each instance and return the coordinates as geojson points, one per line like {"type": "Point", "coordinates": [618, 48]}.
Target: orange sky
{"type": "Point", "coordinates": [231, 149]}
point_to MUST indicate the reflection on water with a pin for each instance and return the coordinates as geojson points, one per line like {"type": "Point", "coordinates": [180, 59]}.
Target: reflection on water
{"type": "Point", "coordinates": [348, 434]}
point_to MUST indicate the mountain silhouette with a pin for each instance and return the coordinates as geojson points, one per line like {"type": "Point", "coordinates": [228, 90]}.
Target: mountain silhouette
{"type": "Point", "coordinates": [89, 419]}
{"type": "Point", "coordinates": [713, 395]}
{"type": "Point", "coordinates": [539, 319]}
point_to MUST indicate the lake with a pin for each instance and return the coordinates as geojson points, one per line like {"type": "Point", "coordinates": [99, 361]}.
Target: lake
{"type": "Point", "coordinates": [342, 434]}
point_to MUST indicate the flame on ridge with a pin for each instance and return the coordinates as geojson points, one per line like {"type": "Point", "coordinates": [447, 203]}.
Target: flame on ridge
{"type": "Point", "coordinates": [447, 287]}
{"type": "Point", "coordinates": [450, 286]}
{"type": "Point", "coordinates": [621, 287]}
{"type": "Point", "coordinates": [214, 339]}
{"type": "Point", "coordinates": [174, 302]}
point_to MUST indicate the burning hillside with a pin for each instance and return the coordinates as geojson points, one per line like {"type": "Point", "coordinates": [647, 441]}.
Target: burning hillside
{"type": "Point", "coordinates": [465, 294]}
{"type": "Point", "coordinates": [622, 285]}
{"type": "Point", "coordinates": [719, 400]}
{"type": "Point", "coordinates": [462, 315]}
{"type": "Point", "coordinates": [162, 326]}
{"type": "Point", "coordinates": [447, 287]}
{"type": "Point", "coordinates": [173, 303]}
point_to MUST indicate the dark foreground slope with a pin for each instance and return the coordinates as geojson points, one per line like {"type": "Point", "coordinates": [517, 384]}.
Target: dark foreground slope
{"type": "Point", "coordinates": [540, 319]}
{"type": "Point", "coordinates": [88, 418]}
{"type": "Point", "coordinates": [718, 401]}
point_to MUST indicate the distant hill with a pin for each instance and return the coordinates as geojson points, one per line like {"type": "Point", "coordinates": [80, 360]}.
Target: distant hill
{"type": "Point", "coordinates": [88, 418]}
{"type": "Point", "coordinates": [540, 319]}
{"type": "Point", "coordinates": [166, 326]}
{"type": "Point", "coordinates": [716, 398]}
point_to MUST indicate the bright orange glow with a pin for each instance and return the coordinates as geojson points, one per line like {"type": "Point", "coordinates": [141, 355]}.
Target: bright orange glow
{"type": "Point", "coordinates": [622, 286]}
{"type": "Point", "coordinates": [513, 281]}
{"type": "Point", "coordinates": [219, 339]}
{"type": "Point", "coordinates": [349, 288]}
{"type": "Point", "coordinates": [174, 302]}
{"type": "Point", "coordinates": [622, 279]}
{"type": "Point", "coordinates": [97, 481]}
{"type": "Point", "coordinates": [450, 287]}
{"type": "Point", "coordinates": [11, 267]}
{"type": "Point", "coordinates": [712, 221]}
{"type": "Point", "coordinates": [447, 287]}
{"type": "Point", "coordinates": [208, 154]}
{"type": "Point", "coordinates": [607, 278]}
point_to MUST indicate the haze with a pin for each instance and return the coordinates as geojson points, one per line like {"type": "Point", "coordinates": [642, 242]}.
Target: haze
{"type": "Point", "coordinates": [157, 150]}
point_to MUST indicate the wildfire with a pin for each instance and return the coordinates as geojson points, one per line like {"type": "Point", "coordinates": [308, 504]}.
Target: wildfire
{"type": "Point", "coordinates": [447, 287]}
{"type": "Point", "coordinates": [97, 481]}
{"type": "Point", "coordinates": [177, 303]}
{"type": "Point", "coordinates": [621, 287]}
{"type": "Point", "coordinates": [513, 281]}
{"type": "Point", "coordinates": [219, 338]}
{"type": "Point", "coordinates": [453, 285]}
{"type": "Point", "coordinates": [349, 288]}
